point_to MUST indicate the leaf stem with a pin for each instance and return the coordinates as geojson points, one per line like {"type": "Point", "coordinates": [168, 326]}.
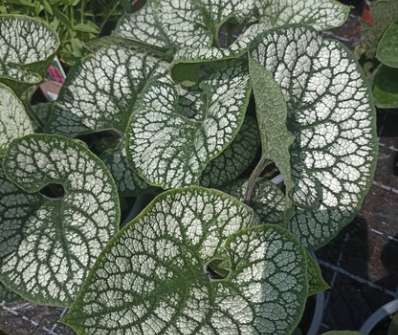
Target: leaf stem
{"type": "Point", "coordinates": [261, 165]}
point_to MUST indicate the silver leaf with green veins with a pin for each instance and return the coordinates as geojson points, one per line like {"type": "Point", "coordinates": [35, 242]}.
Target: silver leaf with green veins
{"type": "Point", "coordinates": [333, 121]}
{"type": "Point", "coordinates": [171, 25]}
{"type": "Point", "coordinates": [99, 94]}
{"type": "Point", "coordinates": [48, 244]}
{"type": "Point", "coordinates": [25, 44]}
{"type": "Point", "coordinates": [235, 159]}
{"type": "Point", "coordinates": [167, 148]}
{"type": "Point", "coordinates": [268, 201]}
{"type": "Point", "coordinates": [14, 121]}
{"type": "Point", "coordinates": [127, 181]}
{"type": "Point", "coordinates": [154, 278]}
{"type": "Point", "coordinates": [319, 14]}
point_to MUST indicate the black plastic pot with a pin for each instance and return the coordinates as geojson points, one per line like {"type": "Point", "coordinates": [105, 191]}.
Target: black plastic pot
{"type": "Point", "coordinates": [379, 316]}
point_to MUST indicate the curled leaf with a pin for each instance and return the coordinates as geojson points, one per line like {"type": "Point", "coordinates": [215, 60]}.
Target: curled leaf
{"type": "Point", "coordinates": [193, 263]}
{"type": "Point", "coordinates": [332, 119]}
{"type": "Point", "coordinates": [27, 44]}
{"type": "Point", "coordinates": [48, 243]}
{"type": "Point", "coordinates": [169, 149]}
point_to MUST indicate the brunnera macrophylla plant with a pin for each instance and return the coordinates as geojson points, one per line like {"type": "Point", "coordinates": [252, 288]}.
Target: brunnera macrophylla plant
{"type": "Point", "coordinates": [26, 46]}
{"type": "Point", "coordinates": [196, 260]}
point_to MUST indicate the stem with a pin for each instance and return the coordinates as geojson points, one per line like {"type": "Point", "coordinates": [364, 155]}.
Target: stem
{"type": "Point", "coordinates": [261, 165]}
{"type": "Point", "coordinates": [110, 13]}
{"type": "Point", "coordinates": [82, 9]}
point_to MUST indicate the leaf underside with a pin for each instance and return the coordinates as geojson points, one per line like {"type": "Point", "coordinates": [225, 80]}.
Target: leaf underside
{"type": "Point", "coordinates": [271, 111]}
{"type": "Point", "coordinates": [24, 44]}
{"type": "Point", "coordinates": [48, 244]}
{"type": "Point", "coordinates": [152, 279]}
{"type": "Point", "coordinates": [14, 121]}
{"type": "Point", "coordinates": [169, 149]}
{"type": "Point", "coordinates": [333, 122]}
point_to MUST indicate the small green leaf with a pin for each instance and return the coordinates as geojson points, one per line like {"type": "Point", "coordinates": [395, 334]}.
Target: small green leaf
{"type": "Point", "coordinates": [271, 111]}
{"type": "Point", "coordinates": [268, 201]}
{"type": "Point", "coordinates": [14, 121]}
{"type": "Point", "coordinates": [387, 50]}
{"type": "Point", "coordinates": [89, 27]}
{"type": "Point", "coordinates": [315, 279]}
{"type": "Point", "coordinates": [47, 244]}
{"type": "Point", "coordinates": [235, 159]}
{"type": "Point", "coordinates": [331, 116]}
{"type": "Point", "coordinates": [169, 149]}
{"type": "Point", "coordinates": [385, 87]}
{"type": "Point", "coordinates": [27, 44]}
{"type": "Point", "coordinates": [194, 263]}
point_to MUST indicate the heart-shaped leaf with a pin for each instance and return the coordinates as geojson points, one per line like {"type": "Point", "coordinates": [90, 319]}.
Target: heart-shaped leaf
{"type": "Point", "coordinates": [99, 93]}
{"type": "Point", "coordinates": [333, 121]}
{"type": "Point", "coordinates": [14, 121]}
{"type": "Point", "coordinates": [47, 244]}
{"type": "Point", "coordinates": [169, 149]}
{"type": "Point", "coordinates": [27, 44]}
{"type": "Point", "coordinates": [191, 264]}
{"type": "Point", "coordinates": [387, 49]}
{"type": "Point", "coordinates": [235, 159]}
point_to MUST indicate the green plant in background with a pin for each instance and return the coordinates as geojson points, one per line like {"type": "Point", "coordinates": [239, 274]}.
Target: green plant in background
{"type": "Point", "coordinates": [196, 260]}
{"type": "Point", "coordinates": [385, 83]}
{"type": "Point", "coordinates": [75, 21]}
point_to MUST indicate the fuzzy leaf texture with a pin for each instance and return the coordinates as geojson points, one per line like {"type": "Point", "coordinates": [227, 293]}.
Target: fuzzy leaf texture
{"type": "Point", "coordinates": [48, 244]}
{"type": "Point", "coordinates": [26, 45]}
{"type": "Point", "coordinates": [333, 121]}
{"type": "Point", "coordinates": [271, 111]}
{"type": "Point", "coordinates": [154, 277]}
